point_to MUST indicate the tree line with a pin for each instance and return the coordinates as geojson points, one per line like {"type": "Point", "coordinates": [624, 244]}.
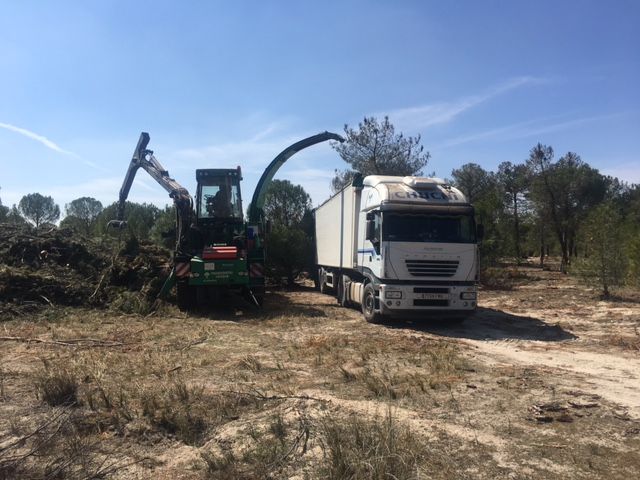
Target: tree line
{"type": "Point", "coordinates": [88, 217]}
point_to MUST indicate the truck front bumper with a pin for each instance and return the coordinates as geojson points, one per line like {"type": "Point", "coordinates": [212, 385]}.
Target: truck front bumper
{"type": "Point", "coordinates": [427, 300]}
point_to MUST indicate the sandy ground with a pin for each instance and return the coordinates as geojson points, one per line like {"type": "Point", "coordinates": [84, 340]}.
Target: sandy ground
{"type": "Point", "coordinates": [541, 383]}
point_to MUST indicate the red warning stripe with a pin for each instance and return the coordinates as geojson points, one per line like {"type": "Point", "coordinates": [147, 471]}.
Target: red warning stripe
{"type": "Point", "coordinates": [256, 270]}
{"type": "Point", "coordinates": [220, 253]}
{"type": "Point", "coordinates": [182, 269]}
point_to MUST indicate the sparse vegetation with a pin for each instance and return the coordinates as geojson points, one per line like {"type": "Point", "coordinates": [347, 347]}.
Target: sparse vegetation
{"type": "Point", "coordinates": [177, 409]}
{"type": "Point", "coordinates": [57, 386]}
{"type": "Point", "coordinates": [300, 389]}
{"type": "Point", "coordinates": [371, 448]}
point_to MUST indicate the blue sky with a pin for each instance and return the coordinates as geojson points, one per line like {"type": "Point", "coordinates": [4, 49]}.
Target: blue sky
{"type": "Point", "coordinates": [220, 84]}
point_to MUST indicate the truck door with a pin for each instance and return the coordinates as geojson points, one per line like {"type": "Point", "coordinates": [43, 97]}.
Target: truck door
{"type": "Point", "coordinates": [369, 256]}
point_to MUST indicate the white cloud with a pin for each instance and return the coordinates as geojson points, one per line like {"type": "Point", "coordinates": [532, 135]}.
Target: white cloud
{"type": "Point", "coordinates": [38, 138]}
{"type": "Point", "coordinates": [524, 129]}
{"type": "Point", "coordinates": [51, 145]}
{"type": "Point", "coordinates": [416, 118]}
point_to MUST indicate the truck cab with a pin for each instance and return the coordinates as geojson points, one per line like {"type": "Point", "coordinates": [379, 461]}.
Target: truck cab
{"type": "Point", "coordinates": [407, 247]}
{"type": "Point", "coordinates": [419, 246]}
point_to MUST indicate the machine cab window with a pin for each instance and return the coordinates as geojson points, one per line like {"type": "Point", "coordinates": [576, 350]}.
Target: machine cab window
{"type": "Point", "coordinates": [218, 194]}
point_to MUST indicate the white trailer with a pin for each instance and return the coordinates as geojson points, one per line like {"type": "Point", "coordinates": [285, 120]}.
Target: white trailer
{"type": "Point", "coordinates": [399, 247]}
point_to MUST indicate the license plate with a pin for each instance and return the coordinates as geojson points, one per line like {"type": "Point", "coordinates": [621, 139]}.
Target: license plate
{"type": "Point", "coordinates": [434, 296]}
{"type": "Point", "coordinates": [209, 266]}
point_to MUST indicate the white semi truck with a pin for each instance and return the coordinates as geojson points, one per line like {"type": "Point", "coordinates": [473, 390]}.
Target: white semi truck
{"type": "Point", "coordinates": [399, 247]}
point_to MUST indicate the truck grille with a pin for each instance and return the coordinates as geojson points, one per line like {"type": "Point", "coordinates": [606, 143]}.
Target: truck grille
{"type": "Point", "coordinates": [432, 268]}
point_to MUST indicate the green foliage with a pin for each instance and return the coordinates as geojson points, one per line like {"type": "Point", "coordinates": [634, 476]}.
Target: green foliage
{"type": "Point", "coordinates": [14, 217]}
{"type": "Point", "coordinates": [4, 211]}
{"type": "Point", "coordinates": [39, 209]}
{"type": "Point", "coordinates": [140, 218]}
{"type": "Point", "coordinates": [285, 203]}
{"type": "Point", "coordinates": [375, 149]}
{"type": "Point", "coordinates": [473, 180]}
{"type": "Point", "coordinates": [563, 193]}
{"type": "Point", "coordinates": [289, 247]}
{"type": "Point", "coordinates": [629, 204]}
{"type": "Point", "coordinates": [632, 254]}
{"type": "Point", "coordinates": [287, 252]}
{"type": "Point", "coordinates": [481, 188]}
{"type": "Point", "coordinates": [605, 263]}
{"type": "Point", "coordinates": [81, 214]}
{"type": "Point", "coordinates": [514, 182]}
{"type": "Point", "coordinates": [163, 231]}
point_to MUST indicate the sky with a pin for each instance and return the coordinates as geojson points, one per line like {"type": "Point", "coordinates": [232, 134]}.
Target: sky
{"type": "Point", "coordinates": [219, 84]}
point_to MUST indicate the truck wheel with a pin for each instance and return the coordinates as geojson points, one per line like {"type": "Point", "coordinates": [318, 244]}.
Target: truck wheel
{"type": "Point", "coordinates": [369, 305]}
{"type": "Point", "coordinates": [185, 295]}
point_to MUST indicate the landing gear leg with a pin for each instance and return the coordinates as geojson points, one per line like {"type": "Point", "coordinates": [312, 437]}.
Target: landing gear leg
{"type": "Point", "coordinates": [256, 295]}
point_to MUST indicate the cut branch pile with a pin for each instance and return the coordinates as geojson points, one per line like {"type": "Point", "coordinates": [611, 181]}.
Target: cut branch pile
{"type": "Point", "coordinates": [62, 268]}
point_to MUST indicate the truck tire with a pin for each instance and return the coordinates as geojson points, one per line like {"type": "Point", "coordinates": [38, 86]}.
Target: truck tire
{"type": "Point", "coordinates": [369, 305]}
{"type": "Point", "coordinates": [185, 296]}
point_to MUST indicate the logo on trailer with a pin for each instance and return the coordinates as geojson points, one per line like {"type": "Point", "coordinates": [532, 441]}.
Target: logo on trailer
{"type": "Point", "coordinates": [182, 269]}
{"type": "Point", "coordinates": [256, 270]}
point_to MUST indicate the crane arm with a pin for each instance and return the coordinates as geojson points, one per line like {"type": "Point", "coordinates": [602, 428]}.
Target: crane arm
{"type": "Point", "coordinates": [257, 202]}
{"type": "Point", "coordinates": [143, 158]}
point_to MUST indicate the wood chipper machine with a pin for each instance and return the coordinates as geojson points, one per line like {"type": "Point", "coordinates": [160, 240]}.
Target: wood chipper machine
{"type": "Point", "coordinates": [216, 249]}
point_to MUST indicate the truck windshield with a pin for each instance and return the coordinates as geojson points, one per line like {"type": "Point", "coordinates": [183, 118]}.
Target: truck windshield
{"type": "Point", "coordinates": [410, 227]}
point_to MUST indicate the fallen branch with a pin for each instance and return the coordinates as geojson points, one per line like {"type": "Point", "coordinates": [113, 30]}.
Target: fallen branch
{"type": "Point", "coordinates": [261, 396]}
{"type": "Point", "coordinates": [199, 341]}
{"type": "Point", "coordinates": [46, 300]}
{"type": "Point", "coordinates": [35, 432]}
{"type": "Point", "coordinates": [104, 275]}
{"type": "Point", "coordinates": [73, 342]}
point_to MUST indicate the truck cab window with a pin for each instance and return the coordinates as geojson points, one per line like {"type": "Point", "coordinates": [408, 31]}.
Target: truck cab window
{"type": "Point", "coordinates": [377, 232]}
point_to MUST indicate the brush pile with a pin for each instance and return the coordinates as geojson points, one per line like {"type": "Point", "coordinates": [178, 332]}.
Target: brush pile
{"type": "Point", "coordinates": [60, 267]}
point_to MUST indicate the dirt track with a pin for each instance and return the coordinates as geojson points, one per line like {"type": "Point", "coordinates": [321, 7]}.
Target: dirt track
{"type": "Point", "coordinates": [543, 383]}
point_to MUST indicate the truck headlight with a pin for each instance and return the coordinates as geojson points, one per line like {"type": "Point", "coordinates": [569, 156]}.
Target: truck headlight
{"type": "Point", "coordinates": [392, 294]}
{"type": "Point", "coordinates": [468, 295]}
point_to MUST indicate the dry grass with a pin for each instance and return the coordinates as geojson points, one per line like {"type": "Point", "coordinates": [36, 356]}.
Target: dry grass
{"type": "Point", "coordinates": [177, 409]}
{"type": "Point", "coordinates": [289, 392]}
{"type": "Point", "coordinates": [56, 385]}
{"type": "Point", "coordinates": [370, 448]}
{"type": "Point", "coordinates": [270, 451]}
{"type": "Point", "coordinates": [626, 342]}
{"type": "Point", "coordinates": [331, 446]}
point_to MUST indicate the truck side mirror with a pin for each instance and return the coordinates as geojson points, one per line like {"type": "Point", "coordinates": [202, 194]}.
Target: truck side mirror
{"type": "Point", "coordinates": [371, 230]}
{"type": "Point", "coordinates": [480, 231]}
